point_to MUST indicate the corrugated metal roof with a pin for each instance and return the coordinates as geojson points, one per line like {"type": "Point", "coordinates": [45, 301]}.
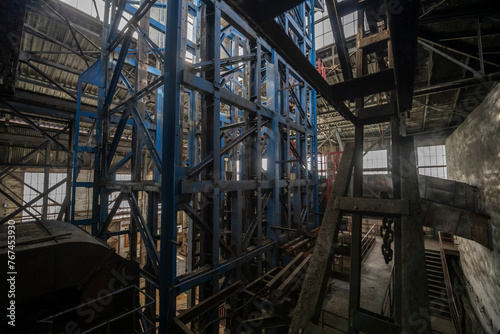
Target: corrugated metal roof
{"type": "Point", "coordinates": [47, 39]}
{"type": "Point", "coordinates": [444, 110]}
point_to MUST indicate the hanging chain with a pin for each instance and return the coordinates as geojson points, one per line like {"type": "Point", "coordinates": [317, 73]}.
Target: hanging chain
{"type": "Point", "coordinates": [387, 235]}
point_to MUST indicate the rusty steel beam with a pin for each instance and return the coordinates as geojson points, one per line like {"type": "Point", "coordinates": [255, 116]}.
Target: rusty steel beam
{"type": "Point", "coordinates": [293, 279]}
{"type": "Point", "coordinates": [267, 12]}
{"type": "Point", "coordinates": [273, 283]}
{"type": "Point", "coordinates": [413, 282]}
{"type": "Point", "coordinates": [489, 79]}
{"type": "Point", "coordinates": [339, 36]}
{"type": "Point", "coordinates": [403, 26]}
{"type": "Point", "coordinates": [209, 303]}
{"type": "Point", "coordinates": [365, 85]}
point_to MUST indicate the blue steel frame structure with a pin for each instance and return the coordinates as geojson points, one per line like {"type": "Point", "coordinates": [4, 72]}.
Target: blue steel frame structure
{"type": "Point", "coordinates": [207, 130]}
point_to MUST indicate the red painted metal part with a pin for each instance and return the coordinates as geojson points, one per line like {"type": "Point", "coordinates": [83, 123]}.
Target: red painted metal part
{"type": "Point", "coordinates": [320, 66]}
{"type": "Point", "coordinates": [329, 163]}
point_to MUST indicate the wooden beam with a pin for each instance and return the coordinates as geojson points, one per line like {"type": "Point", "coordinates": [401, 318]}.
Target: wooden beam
{"type": "Point", "coordinates": [311, 300]}
{"type": "Point", "coordinates": [375, 42]}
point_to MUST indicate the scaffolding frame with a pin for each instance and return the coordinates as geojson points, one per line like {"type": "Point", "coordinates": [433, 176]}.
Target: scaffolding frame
{"type": "Point", "coordinates": [200, 134]}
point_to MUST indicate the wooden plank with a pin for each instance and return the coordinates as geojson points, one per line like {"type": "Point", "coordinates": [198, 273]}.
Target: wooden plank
{"type": "Point", "coordinates": [311, 299]}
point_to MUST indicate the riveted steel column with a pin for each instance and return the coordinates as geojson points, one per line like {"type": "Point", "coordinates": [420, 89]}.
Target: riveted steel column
{"type": "Point", "coordinates": [168, 251]}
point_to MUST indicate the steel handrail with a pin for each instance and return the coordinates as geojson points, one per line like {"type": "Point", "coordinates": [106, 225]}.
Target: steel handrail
{"type": "Point", "coordinates": [366, 245]}
{"type": "Point", "coordinates": [115, 318]}
{"type": "Point", "coordinates": [388, 298]}
{"type": "Point", "coordinates": [455, 315]}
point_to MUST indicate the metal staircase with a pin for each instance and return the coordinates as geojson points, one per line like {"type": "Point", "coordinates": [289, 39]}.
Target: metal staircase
{"type": "Point", "coordinates": [438, 300]}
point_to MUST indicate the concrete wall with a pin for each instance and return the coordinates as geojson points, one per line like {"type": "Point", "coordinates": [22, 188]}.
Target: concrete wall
{"type": "Point", "coordinates": [473, 157]}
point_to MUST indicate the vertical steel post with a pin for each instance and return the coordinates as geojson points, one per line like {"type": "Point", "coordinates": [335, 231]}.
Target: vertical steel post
{"type": "Point", "coordinates": [206, 145]}
{"type": "Point", "coordinates": [76, 137]}
{"type": "Point", "coordinates": [357, 219]}
{"type": "Point", "coordinates": [46, 175]}
{"type": "Point", "coordinates": [415, 297]}
{"type": "Point", "coordinates": [314, 159]}
{"type": "Point", "coordinates": [168, 251]}
{"type": "Point", "coordinates": [273, 155]}
{"type": "Point", "coordinates": [213, 18]}
{"type": "Point", "coordinates": [100, 193]}
{"type": "Point", "coordinates": [314, 121]}
{"type": "Point", "coordinates": [258, 153]}
{"type": "Point", "coordinates": [66, 207]}
{"type": "Point", "coordinates": [396, 183]}
{"type": "Point", "coordinates": [355, 276]}
{"type": "Point", "coordinates": [141, 81]}
{"type": "Point", "coordinates": [480, 46]}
